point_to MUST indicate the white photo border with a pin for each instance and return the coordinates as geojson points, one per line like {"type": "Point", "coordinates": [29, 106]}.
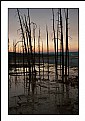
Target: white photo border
{"type": "Point", "coordinates": [4, 59]}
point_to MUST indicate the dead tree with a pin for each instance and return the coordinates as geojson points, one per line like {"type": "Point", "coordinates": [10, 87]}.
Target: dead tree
{"type": "Point", "coordinates": [47, 51]}
{"type": "Point", "coordinates": [8, 43]}
{"type": "Point", "coordinates": [27, 46]}
{"type": "Point", "coordinates": [23, 37]}
{"type": "Point", "coordinates": [67, 49]}
{"type": "Point", "coordinates": [66, 16]}
{"type": "Point", "coordinates": [34, 43]}
{"type": "Point", "coordinates": [62, 45]}
{"type": "Point", "coordinates": [68, 44]}
{"type": "Point", "coordinates": [15, 55]}
{"type": "Point", "coordinates": [8, 30]}
{"type": "Point", "coordinates": [23, 59]}
{"type": "Point", "coordinates": [18, 57]}
{"type": "Point", "coordinates": [60, 57]}
{"type": "Point", "coordinates": [43, 59]}
{"type": "Point", "coordinates": [68, 61]}
{"type": "Point", "coordinates": [13, 52]}
{"type": "Point", "coordinates": [54, 42]}
{"type": "Point", "coordinates": [39, 50]}
{"type": "Point", "coordinates": [57, 39]}
{"type": "Point", "coordinates": [30, 43]}
{"type": "Point", "coordinates": [22, 30]}
{"type": "Point", "coordinates": [34, 27]}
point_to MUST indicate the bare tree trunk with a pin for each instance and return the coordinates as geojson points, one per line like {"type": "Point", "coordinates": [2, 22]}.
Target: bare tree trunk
{"type": "Point", "coordinates": [29, 33]}
{"type": "Point", "coordinates": [54, 42]}
{"type": "Point", "coordinates": [67, 49]}
{"type": "Point", "coordinates": [15, 55]}
{"type": "Point", "coordinates": [13, 52]}
{"type": "Point", "coordinates": [60, 57]}
{"type": "Point", "coordinates": [22, 30]}
{"type": "Point", "coordinates": [66, 45]}
{"type": "Point", "coordinates": [62, 46]}
{"type": "Point", "coordinates": [23, 61]}
{"type": "Point", "coordinates": [18, 57]}
{"type": "Point", "coordinates": [25, 44]}
{"type": "Point", "coordinates": [57, 41]}
{"type": "Point", "coordinates": [34, 47]}
{"type": "Point", "coordinates": [43, 60]}
{"type": "Point", "coordinates": [34, 27]}
{"type": "Point", "coordinates": [39, 51]}
{"type": "Point", "coordinates": [68, 61]}
{"type": "Point", "coordinates": [47, 51]}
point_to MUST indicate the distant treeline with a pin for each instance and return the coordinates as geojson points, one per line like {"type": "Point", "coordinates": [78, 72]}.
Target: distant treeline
{"type": "Point", "coordinates": [19, 56]}
{"type": "Point", "coordinates": [11, 54]}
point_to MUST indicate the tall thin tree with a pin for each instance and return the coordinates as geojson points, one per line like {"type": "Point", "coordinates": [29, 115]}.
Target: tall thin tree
{"type": "Point", "coordinates": [43, 59]}
{"type": "Point", "coordinates": [57, 38]}
{"type": "Point", "coordinates": [54, 41]}
{"type": "Point", "coordinates": [62, 46]}
{"type": "Point", "coordinates": [39, 50]}
{"type": "Point", "coordinates": [34, 27]}
{"type": "Point", "coordinates": [66, 16]}
{"type": "Point", "coordinates": [47, 51]}
{"type": "Point", "coordinates": [23, 37]}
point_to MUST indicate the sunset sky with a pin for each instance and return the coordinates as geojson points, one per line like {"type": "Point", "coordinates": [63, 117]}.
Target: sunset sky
{"type": "Point", "coordinates": [42, 17]}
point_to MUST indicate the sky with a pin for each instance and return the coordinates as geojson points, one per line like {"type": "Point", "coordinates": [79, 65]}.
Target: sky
{"type": "Point", "coordinates": [43, 17]}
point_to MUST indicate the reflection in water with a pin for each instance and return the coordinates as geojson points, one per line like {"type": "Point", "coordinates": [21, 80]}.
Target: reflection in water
{"type": "Point", "coordinates": [41, 96]}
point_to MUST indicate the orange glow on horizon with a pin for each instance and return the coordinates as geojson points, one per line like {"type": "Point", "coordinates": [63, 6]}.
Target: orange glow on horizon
{"type": "Point", "coordinates": [51, 50]}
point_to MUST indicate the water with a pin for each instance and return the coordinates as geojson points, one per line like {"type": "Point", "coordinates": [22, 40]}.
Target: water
{"type": "Point", "coordinates": [73, 58]}
{"type": "Point", "coordinates": [46, 96]}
